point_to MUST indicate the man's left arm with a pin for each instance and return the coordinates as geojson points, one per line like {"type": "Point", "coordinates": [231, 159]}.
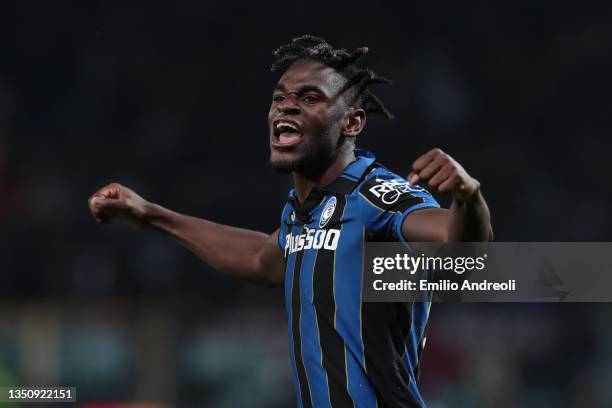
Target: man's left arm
{"type": "Point", "coordinates": [467, 220]}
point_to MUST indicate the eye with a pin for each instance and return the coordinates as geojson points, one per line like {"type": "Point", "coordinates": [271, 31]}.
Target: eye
{"type": "Point", "coordinates": [278, 98]}
{"type": "Point", "coordinates": [310, 99]}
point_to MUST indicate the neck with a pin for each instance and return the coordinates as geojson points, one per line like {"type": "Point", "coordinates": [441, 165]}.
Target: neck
{"type": "Point", "coordinates": [305, 183]}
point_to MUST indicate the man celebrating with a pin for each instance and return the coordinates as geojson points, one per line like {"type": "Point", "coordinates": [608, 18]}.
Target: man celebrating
{"type": "Point", "coordinates": [345, 352]}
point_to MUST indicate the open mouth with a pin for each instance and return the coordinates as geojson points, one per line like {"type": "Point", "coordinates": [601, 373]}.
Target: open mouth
{"type": "Point", "coordinates": [286, 133]}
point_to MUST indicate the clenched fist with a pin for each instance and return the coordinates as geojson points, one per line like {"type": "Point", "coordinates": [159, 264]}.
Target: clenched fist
{"type": "Point", "coordinates": [443, 173]}
{"type": "Point", "coordinates": [117, 201]}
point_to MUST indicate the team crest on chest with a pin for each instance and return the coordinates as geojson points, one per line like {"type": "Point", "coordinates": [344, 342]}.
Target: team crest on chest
{"type": "Point", "coordinates": [328, 211]}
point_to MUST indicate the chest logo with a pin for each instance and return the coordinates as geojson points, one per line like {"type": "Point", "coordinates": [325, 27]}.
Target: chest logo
{"type": "Point", "coordinates": [328, 211]}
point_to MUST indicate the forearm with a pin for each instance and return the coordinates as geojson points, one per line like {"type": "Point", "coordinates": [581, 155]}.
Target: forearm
{"type": "Point", "coordinates": [470, 220]}
{"type": "Point", "coordinates": [233, 251]}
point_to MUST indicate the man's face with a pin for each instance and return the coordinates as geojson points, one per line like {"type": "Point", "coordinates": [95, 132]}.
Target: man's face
{"type": "Point", "coordinates": [305, 118]}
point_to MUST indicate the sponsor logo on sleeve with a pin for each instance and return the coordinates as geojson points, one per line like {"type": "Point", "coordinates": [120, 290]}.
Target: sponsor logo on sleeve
{"type": "Point", "coordinates": [386, 193]}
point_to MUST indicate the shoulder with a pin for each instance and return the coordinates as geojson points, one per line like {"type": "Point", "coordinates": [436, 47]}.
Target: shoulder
{"type": "Point", "coordinates": [287, 208]}
{"type": "Point", "coordinates": [287, 217]}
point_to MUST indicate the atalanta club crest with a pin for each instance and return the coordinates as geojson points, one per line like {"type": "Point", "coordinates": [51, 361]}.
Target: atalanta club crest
{"type": "Point", "coordinates": [328, 211]}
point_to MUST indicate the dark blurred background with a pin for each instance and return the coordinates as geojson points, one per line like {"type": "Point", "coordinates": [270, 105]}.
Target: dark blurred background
{"type": "Point", "coordinates": [171, 99]}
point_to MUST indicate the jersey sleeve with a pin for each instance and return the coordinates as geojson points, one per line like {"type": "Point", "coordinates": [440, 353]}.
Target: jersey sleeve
{"type": "Point", "coordinates": [386, 200]}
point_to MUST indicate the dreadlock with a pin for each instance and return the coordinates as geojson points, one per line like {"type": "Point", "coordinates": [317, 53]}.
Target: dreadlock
{"type": "Point", "coordinates": [308, 47]}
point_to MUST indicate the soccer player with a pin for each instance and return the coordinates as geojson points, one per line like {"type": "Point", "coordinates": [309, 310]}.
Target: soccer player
{"type": "Point", "coordinates": [345, 352]}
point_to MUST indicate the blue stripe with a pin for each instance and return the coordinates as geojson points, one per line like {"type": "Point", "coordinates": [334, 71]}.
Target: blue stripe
{"type": "Point", "coordinates": [348, 306]}
{"type": "Point", "coordinates": [288, 286]}
{"type": "Point", "coordinates": [282, 231]}
{"type": "Point", "coordinates": [309, 329]}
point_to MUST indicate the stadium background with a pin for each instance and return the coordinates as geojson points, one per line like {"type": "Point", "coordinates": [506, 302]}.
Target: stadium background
{"type": "Point", "coordinates": [171, 99]}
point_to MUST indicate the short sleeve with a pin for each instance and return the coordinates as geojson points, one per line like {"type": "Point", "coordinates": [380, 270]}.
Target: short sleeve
{"type": "Point", "coordinates": [386, 200]}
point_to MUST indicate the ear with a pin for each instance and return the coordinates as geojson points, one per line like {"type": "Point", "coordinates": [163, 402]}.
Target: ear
{"type": "Point", "coordinates": [354, 122]}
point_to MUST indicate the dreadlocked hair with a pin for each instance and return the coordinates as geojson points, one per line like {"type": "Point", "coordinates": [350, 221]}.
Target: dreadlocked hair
{"type": "Point", "coordinates": [308, 47]}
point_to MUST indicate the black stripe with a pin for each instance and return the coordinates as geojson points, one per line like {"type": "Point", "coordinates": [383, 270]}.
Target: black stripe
{"type": "Point", "coordinates": [344, 185]}
{"type": "Point", "coordinates": [385, 328]}
{"type": "Point", "coordinates": [302, 211]}
{"type": "Point", "coordinates": [333, 352]}
{"type": "Point", "coordinates": [296, 311]}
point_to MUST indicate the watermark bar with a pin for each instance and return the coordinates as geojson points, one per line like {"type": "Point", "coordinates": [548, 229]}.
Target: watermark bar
{"type": "Point", "coordinates": [488, 272]}
{"type": "Point", "coordinates": [37, 394]}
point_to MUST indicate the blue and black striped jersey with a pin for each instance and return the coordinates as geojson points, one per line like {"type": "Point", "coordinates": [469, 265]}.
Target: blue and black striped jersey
{"type": "Point", "coordinates": [345, 352]}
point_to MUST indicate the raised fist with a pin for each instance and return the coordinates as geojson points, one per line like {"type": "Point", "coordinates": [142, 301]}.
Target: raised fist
{"type": "Point", "coordinates": [440, 171]}
{"type": "Point", "coordinates": [117, 201]}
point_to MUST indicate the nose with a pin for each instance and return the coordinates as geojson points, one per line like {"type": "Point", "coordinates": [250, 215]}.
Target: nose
{"type": "Point", "coordinates": [289, 105]}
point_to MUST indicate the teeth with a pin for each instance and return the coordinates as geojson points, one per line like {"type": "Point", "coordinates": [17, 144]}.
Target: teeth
{"type": "Point", "coordinates": [281, 125]}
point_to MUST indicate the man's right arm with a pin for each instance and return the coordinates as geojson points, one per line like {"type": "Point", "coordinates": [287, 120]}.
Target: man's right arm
{"type": "Point", "coordinates": [244, 254]}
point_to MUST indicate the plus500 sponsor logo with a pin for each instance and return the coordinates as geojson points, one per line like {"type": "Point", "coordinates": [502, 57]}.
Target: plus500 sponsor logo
{"type": "Point", "coordinates": [312, 239]}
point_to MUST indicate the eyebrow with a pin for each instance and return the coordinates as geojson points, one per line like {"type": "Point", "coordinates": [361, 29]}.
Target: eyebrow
{"type": "Point", "coordinates": [301, 90]}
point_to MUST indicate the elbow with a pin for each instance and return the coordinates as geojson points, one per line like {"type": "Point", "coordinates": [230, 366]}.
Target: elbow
{"type": "Point", "coordinates": [268, 274]}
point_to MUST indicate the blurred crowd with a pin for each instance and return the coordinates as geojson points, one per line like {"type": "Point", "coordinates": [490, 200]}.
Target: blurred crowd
{"type": "Point", "coordinates": [172, 99]}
